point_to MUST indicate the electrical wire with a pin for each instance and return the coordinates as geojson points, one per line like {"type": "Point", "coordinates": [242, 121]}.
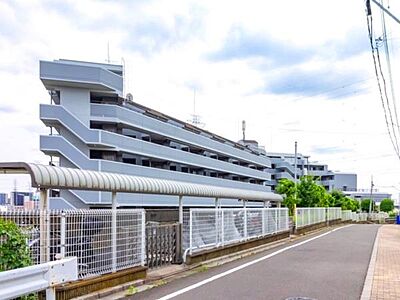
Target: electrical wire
{"type": "Point", "coordinates": [389, 68]}
{"type": "Point", "coordinates": [392, 136]}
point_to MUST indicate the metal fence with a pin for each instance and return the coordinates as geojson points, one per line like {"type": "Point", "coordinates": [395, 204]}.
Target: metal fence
{"type": "Point", "coordinates": [333, 213]}
{"type": "Point", "coordinates": [103, 241]}
{"type": "Point", "coordinates": [381, 216]}
{"type": "Point", "coordinates": [347, 215]}
{"type": "Point", "coordinates": [306, 216]}
{"type": "Point", "coordinates": [208, 228]}
{"type": "Point", "coordinates": [163, 244]}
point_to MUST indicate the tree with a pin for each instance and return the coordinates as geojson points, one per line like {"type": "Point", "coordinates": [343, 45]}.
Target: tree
{"type": "Point", "coordinates": [286, 187]}
{"type": "Point", "coordinates": [386, 205]}
{"type": "Point", "coordinates": [310, 194]}
{"type": "Point", "coordinates": [365, 205]}
{"type": "Point", "coordinates": [341, 200]}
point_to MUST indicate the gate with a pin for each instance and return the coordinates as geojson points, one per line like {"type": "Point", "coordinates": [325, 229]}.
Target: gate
{"type": "Point", "coordinates": [163, 245]}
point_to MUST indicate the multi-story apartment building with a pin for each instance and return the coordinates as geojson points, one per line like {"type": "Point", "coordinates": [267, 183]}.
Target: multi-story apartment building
{"type": "Point", "coordinates": [92, 126]}
{"type": "Point", "coordinates": [283, 164]}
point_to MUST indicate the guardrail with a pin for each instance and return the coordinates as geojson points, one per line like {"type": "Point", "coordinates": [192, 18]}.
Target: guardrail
{"type": "Point", "coordinates": [23, 281]}
{"type": "Point", "coordinates": [209, 228]}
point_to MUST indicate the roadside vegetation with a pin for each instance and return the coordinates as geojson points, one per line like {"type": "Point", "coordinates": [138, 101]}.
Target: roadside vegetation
{"type": "Point", "coordinates": [387, 205]}
{"type": "Point", "coordinates": [308, 193]}
{"type": "Point", "coordinates": [14, 250]}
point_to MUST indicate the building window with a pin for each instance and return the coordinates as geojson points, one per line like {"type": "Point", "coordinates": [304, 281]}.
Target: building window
{"type": "Point", "coordinates": [96, 154]}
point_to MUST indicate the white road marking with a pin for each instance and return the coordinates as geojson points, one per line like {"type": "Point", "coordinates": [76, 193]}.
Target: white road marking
{"type": "Point", "coordinates": [215, 277]}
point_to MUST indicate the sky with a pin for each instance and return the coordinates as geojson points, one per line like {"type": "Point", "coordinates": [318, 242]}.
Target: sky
{"type": "Point", "coordinates": [294, 70]}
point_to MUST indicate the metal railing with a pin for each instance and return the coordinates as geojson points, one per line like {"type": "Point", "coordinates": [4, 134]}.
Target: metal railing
{"type": "Point", "coordinates": [333, 213]}
{"type": "Point", "coordinates": [306, 216]}
{"type": "Point", "coordinates": [27, 280]}
{"type": "Point", "coordinates": [380, 216]}
{"type": "Point", "coordinates": [209, 228]}
{"type": "Point", "coordinates": [163, 245]}
{"type": "Point", "coordinates": [102, 241]}
{"type": "Point", "coordinates": [347, 215]}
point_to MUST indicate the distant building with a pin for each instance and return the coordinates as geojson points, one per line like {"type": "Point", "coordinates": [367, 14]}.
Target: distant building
{"type": "Point", "coordinates": [282, 165]}
{"type": "Point", "coordinates": [366, 194]}
{"type": "Point", "coordinates": [3, 198]}
{"type": "Point", "coordinates": [18, 198]}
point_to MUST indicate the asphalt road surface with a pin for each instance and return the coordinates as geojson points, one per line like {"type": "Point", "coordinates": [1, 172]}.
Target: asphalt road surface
{"type": "Point", "coordinates": [331, 266]}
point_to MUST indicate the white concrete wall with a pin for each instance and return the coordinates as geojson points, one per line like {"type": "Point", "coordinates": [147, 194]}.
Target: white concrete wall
{"type": "Point", "coordinates": [77, 101]}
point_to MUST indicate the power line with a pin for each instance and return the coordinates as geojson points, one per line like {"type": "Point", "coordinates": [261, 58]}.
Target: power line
{"type": "Point", "coordinates": [385, 43]}
{"type": "Point", "coordinates": [332, 90]}
{"type": "Point", "coordinates": [392, 136]}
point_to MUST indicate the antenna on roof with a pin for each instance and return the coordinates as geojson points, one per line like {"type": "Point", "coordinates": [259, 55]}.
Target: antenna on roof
{"type": "Point", "coordinates": [244, 129]}
{"type": "Point", "coordinates": [108, 51]}
{"type": "Point", "coordinates": [196, 119]}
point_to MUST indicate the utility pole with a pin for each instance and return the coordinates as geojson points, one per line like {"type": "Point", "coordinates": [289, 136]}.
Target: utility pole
{"type": "Point", "coordinates": [381, 7]}
{"type": "Point", "coordinates": [370, 202]}
{"type": "Point", "coordinates": [295, 171]}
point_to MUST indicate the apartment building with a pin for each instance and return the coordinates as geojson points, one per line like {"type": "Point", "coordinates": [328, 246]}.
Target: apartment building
{"type": "Point", "coordinates": [92, 126]}
{"type": "Point", "coordinates": [283, 166]}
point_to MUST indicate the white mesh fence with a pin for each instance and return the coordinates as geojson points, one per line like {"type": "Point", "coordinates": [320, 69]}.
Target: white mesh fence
{"type": "Point", "coordinates": [381, 216]}
{"type": "Point", "coordinates": [208, 228]}
{"type": "Point", "coordinates": [362, 217]}
{"type": "Point", "coordinates": [306, 216]}
{"type": "Point", "coordinates": [87, 234]}
{"type": "Point", "coordinates": [346, 215]}
{"type": "Point", "coordinates": [334, 213]}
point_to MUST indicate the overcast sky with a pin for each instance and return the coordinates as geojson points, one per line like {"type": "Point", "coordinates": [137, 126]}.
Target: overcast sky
{"type": "Point", "coordinates": [294, 70]}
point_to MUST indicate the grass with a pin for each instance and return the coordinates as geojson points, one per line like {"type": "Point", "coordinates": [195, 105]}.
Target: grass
{"type": "Point", "coordinates": [131, 290]}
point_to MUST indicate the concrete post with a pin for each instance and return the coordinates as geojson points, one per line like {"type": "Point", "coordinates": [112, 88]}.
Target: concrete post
{"type": "Point", "coordinates": [62, 234]}
{"type": "Point", "coordinates": [191, 232]}
{"type": "Point", "coordinates": [263, 213]}
{"type": "Point", "coordinates": [245, 219]}
{"type": "Point", "coordinates": [181, 209]}
{"type": "Point", "coordinates": [216, 222]}
{"type": "Point", "coordinates": [179, 244]}
{"type": "Point", "coordinates": [44, 228]}
{"type": "Point", "coordinates": [114, 231]}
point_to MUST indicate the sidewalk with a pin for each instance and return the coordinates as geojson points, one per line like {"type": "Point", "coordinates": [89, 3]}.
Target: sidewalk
{"type": "Point", "coordinates": [386, 272]}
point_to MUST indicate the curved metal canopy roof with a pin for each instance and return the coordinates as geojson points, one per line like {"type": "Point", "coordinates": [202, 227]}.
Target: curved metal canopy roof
{"type": "Point", "coordinates": [44, 176]}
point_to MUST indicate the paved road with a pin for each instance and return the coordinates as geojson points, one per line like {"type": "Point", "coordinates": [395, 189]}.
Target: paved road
{"type": "Point", "coordinates": [333, 266]}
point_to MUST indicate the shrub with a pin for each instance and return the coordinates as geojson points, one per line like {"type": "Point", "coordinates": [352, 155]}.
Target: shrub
{"type": "Point", "coordinates": [386, 205]}
{"type": "Point", "coordinates": [14, 251]}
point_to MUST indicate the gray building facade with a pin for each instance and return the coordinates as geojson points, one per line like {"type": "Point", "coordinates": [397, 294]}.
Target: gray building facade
{"type": "Point", "coordinates": [283, 166]}
{"type": "Point", "coordinates": [92, 126]}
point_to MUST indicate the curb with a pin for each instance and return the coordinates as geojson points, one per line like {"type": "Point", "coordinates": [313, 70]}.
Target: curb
{"type": "Point", "coordinates": [367, 289]}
